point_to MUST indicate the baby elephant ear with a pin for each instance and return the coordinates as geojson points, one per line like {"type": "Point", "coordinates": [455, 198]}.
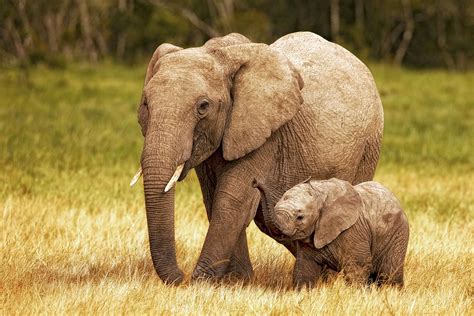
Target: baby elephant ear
{"type": "Point", "coordinates": [340, 211]}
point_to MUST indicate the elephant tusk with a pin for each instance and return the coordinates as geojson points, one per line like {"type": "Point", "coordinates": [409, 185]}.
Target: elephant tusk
{"type": "Point", "coordinates": [174, 178]}
{"type": "Point", "coordinates": [136, 177]}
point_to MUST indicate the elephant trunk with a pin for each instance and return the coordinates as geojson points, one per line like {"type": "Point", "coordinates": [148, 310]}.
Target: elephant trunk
{"type": "Point", "coordinates": [159, 161]}
{"type": "Point", "coordinates": [267, 210]}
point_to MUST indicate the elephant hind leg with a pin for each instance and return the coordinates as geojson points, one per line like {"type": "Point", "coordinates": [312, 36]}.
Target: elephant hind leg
{"type": "Point", "coordinates": [370, 157]}
{"type": "Point", "coordinates": [389, 276]}
{"type": "Point", "coordinates": [390, 269]}
{"type": "Point", "coordinates": [357, 274]}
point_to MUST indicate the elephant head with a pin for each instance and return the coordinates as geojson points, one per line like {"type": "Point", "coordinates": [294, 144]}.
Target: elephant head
{"type": "Point", "coordinates": [326, 208]}
{"type": "Point", "coordinates": [228, 94]}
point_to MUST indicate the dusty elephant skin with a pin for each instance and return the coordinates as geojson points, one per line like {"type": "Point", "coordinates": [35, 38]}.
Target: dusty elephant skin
{"type": "Point", "coordinates": [235, 110]}
{"type": "Point", "coordinates": [360, 229]}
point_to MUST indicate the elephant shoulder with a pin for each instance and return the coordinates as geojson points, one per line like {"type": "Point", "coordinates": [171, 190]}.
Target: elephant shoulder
{"type": "Point", "coordinates": [301, 48]}
{"type": "Point", "coordinates": [313, 50]}
{"type": "Point", "coordinates": [334, 78]}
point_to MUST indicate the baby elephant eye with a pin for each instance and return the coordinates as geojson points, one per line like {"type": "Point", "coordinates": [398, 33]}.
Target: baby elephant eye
{"type": "Point", "coordinates": [299, 217]}
{"type": "Point", "coordinates": [203, 107]}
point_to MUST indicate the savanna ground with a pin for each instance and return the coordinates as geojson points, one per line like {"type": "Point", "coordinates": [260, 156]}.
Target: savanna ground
{"type": "Point", "coordinates": [73, 234]}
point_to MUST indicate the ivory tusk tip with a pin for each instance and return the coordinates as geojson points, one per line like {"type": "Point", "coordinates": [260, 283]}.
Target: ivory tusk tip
{"type": "Point", "coordinates": [136, 177]}
{"type": "Point", "coordinates": [174, 178]}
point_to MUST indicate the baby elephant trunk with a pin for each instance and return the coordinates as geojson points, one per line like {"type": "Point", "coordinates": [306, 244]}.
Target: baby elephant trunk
{"type": "Point", "coordinates": [284, 221]}
{"type": "Point", "coordinates": [267, 210]}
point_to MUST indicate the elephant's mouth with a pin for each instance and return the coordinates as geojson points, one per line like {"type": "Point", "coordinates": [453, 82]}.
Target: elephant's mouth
{"type": "Point", "coordinates": [180, 173]}
{"type": "Point", "coordinates": [290, 234]}
{"type": "Point", "coordinates": [281, 238]}
{"type": "Point", "coordinates": [187, 167]}
{"type": "Point", "coordinates": [278, 235]}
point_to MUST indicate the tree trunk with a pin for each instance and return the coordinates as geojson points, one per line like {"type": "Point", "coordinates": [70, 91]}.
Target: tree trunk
{"type": "Point", "coordinates": [441, 38]}
{"type": "Point", "coordinates": [359, 15]}
{"type": "Point", "coordinates": [407, 33]}
{"type": "Point", "coordinates": [122, 38]}
{"type": "Point", "coordinates": [225, 11]}
{"type": "Point", "coordinates": [86, 30]}
{"type": "Point", "coordinates": [334, 20]}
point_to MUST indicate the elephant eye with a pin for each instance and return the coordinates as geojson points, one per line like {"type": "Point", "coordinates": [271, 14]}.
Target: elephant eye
{"type": "Point", "coordinates": [203, 107]}
{"type": "Point", "coordinates": [299, 217]}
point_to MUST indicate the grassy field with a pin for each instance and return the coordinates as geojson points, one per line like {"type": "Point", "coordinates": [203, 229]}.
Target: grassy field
{"type": "Point", "coordinates": [73, 234]}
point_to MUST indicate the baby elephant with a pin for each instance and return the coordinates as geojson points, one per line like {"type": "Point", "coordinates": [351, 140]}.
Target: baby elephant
{"type": "Point", "coordinates": [360, 230]}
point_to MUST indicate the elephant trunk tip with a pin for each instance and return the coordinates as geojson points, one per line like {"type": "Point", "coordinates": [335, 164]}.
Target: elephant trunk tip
{"type": "Point", "coordinates": [174, 278]}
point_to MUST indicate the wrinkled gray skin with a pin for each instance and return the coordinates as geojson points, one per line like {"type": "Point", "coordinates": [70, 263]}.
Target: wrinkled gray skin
{"type": "Point", "coordinates": [234, 110]}
{"type": "Point", "coordinates": [360, 229]}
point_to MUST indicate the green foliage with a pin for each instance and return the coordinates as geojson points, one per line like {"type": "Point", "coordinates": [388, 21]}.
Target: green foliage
{"type": "Point", "coordinates": [55, 32]}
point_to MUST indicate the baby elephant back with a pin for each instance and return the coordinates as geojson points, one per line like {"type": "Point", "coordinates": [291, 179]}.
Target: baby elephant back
{"type": "Point", "coordinates": [382, 209]}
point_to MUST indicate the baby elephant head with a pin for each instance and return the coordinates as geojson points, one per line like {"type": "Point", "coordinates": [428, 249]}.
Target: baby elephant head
{"type": "Point", "coordinates": [326, 208]}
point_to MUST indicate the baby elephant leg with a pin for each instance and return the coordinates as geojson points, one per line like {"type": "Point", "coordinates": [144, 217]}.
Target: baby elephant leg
{"type": "Point", "coordinates": [390, 275]}
{"type": "Point", "coordinates": [357, 274]}
{"type": "Point", "coordinates": [389, 267]}
{"type": "Point", "coordinates": [306, 271]}
{"type": "Point", "coordinates": [358, 264]}
{"type": "Point", "coordinates": [390, 270]}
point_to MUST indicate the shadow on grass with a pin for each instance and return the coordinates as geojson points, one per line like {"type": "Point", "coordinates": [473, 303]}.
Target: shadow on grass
{"type": "Point", "coordinates": [127, 270]}
{"type": "Point", "coordinates": [272, 275]}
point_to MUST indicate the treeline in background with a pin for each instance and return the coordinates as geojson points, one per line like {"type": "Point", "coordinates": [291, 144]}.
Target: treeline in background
{"type": "Point", "coordinates": [416, 33]}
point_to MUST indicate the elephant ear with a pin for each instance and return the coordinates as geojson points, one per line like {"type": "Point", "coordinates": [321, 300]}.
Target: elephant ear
{"type": "Point", "coordinates": [161, 51]}
{"type": "Point", "coordinates": [266, 94]}
{"type": "Point", "coordinates": [340, 211]}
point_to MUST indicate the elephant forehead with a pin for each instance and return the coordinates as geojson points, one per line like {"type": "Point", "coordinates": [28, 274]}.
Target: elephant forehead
{"type": "Point", "coordinates": [183, 78]}
{"type": "Point", "coordinates": [293, 202]}
{"type": "Point", "coordinates": [300, 191]}
{"type": "Point", "coordinates": [190, 60]}
{"type": "Point", "coordinates": [177, 82]}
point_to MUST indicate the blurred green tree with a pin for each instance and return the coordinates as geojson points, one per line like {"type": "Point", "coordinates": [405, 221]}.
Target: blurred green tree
{"type": "Point", "coordinates": [433, 33]}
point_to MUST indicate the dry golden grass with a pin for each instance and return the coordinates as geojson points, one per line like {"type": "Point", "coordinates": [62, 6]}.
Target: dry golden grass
{"type": "Point", "coordinates": [60, 259]}
{"type": "Point", "coordinates": [73, 235]}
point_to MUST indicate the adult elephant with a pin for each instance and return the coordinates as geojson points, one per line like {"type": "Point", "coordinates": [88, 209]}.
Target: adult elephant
{"type": "Point", "coordinates": [235, 111]}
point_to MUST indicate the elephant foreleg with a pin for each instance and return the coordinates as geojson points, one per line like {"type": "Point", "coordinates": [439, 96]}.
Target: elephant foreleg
{"type": "Point", "coordinates": [239, 265]}
{"type": "Point", "coordinates": [232, 209]}
{"type": "Point", "coordinates": [306, 271]}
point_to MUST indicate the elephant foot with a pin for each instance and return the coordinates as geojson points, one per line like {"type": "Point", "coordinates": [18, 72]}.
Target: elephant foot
{"type": "Point", "coordinates": [329, 275]}
{"type": "Point", "coordinates": [239, 271]}
{"type": "Point", "coordinates": [208, 273]}
{"type": "Point", "coordinates": [235, 271]}
{"type": "Point", "coordinates": [174, 278]}
{"type": "Point", "coordinates": [301, 284]}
